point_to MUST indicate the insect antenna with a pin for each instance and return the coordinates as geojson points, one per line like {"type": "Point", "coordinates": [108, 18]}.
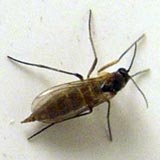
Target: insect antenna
{"type": "Point", "coordinates": [131, 77]}
{"type": "Point", "coordinates": [46, 67]}
{"type": "Point", "coordinates": [123, 54]}
{"type": "Point", "coordinates": [142, 36]}
{"type": "Point", "coordinates": [140, 91]}
{"type": "Point", "coordinates": [134, 55]}
{"type": "Point", "coordinates": [135, 74]}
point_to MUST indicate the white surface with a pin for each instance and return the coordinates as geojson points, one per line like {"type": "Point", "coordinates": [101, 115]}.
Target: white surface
{"type": "Point", "coordinates": [55, 33]}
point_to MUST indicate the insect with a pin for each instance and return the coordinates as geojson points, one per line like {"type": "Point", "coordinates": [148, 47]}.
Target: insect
{"type": "Point", "coordinates": [78, 98]}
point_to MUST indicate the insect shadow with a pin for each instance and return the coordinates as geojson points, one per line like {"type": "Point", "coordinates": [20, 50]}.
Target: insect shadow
{"type": "Point", "coordinates": [79, 98]}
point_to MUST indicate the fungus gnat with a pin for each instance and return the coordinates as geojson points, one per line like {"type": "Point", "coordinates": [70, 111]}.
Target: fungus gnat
{"type": "Point", "coordinates": [78, 98]}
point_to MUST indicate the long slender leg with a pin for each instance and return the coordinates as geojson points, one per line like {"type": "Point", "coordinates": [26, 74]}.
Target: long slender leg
{"type": "Point", "coordinates": [116, 61]}
{"type": "Point", "coordinates": [46, 67]}
{"type": "Point", "coordinates": [108, 121]}
{"type": "Point", "coordinates": [35, 134]}
{"type": "Point", "coordinates": [140, 72]}
{"type": "Point", "coordinates": [92, 44]}
{"type": "Point", "coordinates": [48, 126]}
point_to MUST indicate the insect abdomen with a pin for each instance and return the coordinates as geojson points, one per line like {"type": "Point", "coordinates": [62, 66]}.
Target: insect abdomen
{"type": "Point", "coordinates": [65, 104]}
{"type": "Point", "coordinates": [90, 93]}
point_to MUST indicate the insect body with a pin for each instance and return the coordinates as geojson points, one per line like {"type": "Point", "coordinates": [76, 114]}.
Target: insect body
{"type": "Point", "coordinates": [70, 100]}
{"type": "Point", "coordinates": [78, 98]}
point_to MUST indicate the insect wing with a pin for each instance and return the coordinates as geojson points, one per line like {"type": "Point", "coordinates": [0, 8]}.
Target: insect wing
{"type": "Point", "coordinates": [50, 93]}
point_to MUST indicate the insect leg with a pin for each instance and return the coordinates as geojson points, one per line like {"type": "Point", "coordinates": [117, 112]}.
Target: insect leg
{"type": "Point", "coordinates": [35, 134]}
{"type": "Point", "coordinates": [108, 120]}
{"type": "Point", "coordinates": [46, 67]}
{"type": "Point", "coordinates": [92, 44]}
{"type": "Point", "coordinates": [48, 126]}
{"type": "Point", "coordinates": [116, 61]}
